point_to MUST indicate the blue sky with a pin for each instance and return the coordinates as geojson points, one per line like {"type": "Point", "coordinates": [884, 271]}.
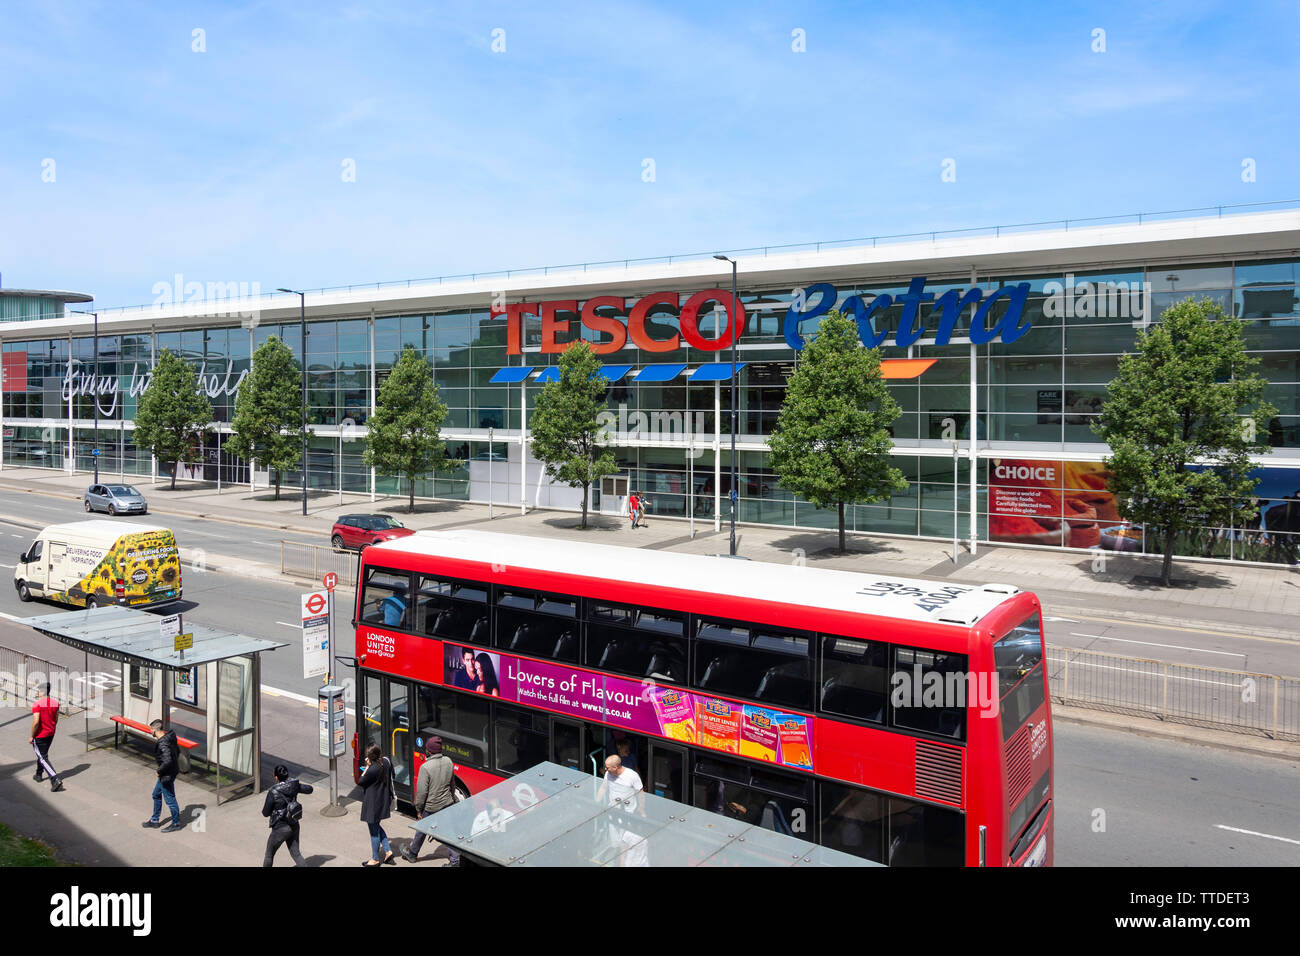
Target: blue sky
{"type": "Point", "coordinates": [226, 165]}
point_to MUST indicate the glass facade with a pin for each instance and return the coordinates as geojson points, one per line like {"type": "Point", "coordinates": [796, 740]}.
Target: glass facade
{"type": "Point", "coordinates": [1036, 397]}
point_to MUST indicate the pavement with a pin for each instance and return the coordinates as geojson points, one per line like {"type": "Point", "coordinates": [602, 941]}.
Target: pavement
{"type": "Point", "coordinates": [1261, 600]}
{"type": "Point", "coordinates": [99, 824]}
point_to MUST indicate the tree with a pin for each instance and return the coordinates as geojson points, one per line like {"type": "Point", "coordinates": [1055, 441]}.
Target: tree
{"type": "Point", "coordinates": [405, 431]}
{"type": "Point", "coordinates": [566, 424]}
{"type": "Point", "coordinates": [268, 405]}
{"type": "Point", "coordinates": [173, 413]}
{"type": "Point", "coordinates": [1182, 418]}
{"type": "Point", "coordinates": [831, 442]}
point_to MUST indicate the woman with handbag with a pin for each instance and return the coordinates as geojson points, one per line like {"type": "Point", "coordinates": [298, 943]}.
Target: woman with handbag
{"type": "Point", "coordinates": [377, 804]}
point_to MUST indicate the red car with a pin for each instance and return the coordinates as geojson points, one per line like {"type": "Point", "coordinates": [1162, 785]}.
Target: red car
{"type": "Point", "coordinates": [358, 531]}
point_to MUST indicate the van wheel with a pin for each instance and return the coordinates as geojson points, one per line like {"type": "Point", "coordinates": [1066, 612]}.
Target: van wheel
{"type": "Point", "coordinates": [23, 593]}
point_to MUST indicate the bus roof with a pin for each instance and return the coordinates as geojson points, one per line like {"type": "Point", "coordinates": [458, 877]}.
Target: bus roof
{"type": "Point", "coordinates": [961, 605]}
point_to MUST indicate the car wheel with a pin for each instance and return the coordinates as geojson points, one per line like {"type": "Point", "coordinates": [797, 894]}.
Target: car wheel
{"type": "Point", "coordinates": [112, 510]}
{"type": "Point", "coordinates": [23, 593]}
{"type": "Point", "coordinates": [87, 505]}
{"type": "Point", "coordinates": [337, 541]}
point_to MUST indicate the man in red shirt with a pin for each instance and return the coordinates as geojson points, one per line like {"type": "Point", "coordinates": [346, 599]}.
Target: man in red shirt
{"type": "Point", "coordinates": [45, 718]}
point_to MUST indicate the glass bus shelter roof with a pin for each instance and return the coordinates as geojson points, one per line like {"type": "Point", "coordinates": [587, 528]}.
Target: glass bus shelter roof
{"type": "Point", "coordinates": [554, 816]}
{"type": "Point", "coordinates": [134, 637]}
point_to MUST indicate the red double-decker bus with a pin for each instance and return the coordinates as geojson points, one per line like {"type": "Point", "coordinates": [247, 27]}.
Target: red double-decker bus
{"type": "Point", "coordinates": [904, 721]}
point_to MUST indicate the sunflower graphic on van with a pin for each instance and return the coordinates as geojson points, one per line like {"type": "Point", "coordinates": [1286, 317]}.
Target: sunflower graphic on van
{"type": "Point", "coordinates": [100, 563]}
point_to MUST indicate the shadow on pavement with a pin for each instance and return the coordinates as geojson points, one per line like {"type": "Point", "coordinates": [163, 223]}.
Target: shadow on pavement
{"type": "Point", "coordinates": [37, 815]}
{"type": "Point", "coordinates": [1136, 574]}
{"type": "Point", "coordinates": [814, 545]}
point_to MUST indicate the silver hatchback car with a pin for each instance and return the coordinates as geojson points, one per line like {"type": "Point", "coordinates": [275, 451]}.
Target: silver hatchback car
{"type": "Point", "coordinates": [116, 500]}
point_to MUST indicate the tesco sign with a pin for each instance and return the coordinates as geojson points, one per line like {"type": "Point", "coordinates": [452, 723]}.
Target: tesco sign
{"type": "Point", "coordinates": [623, 319]}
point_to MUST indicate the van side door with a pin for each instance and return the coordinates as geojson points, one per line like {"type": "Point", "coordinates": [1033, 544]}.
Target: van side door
{"type": "Point", "coordinates": [34, 568]}
{"type": "Point", "coordinates": [55, 567]}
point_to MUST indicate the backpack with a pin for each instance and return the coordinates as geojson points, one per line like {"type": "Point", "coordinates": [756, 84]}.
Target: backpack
{"type": "Point", "coordinates": [291, 812]}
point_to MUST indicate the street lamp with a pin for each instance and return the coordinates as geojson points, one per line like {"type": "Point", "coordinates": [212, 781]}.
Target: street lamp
{"type": "Point", "coordinates": [302, 319]}
{"type": "Point", "coordinates": [94, 393]}
{"type": "Point", "coordinates": [735, 334]}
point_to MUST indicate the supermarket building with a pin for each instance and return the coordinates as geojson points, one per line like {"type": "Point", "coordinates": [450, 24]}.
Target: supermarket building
{"type": "Point", "coordinates": [1023, 326]}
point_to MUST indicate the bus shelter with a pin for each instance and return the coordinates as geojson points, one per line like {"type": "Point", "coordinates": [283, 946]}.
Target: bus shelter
{"type": "Point", "coordinates": [551, 815]}
{"type": "Point", "coordinates": [208, 692]}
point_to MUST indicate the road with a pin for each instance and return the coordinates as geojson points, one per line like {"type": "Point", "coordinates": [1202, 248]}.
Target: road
{"type": "Point", "coordinates": [1127, 800]}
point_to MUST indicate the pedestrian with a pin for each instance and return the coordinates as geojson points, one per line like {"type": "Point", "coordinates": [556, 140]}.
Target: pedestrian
{"type": "Point", "coordinates": [166, 754]}
{"type": "Point", "coordinates": [285, 811]}
{"type": "Point", "coordinates": [45, 719]}
{"type": "Point", "coordinates": [433, 792]}
{"type": "Point", "coordinates": [377, 804]}
{"type": "Point", "coordinates": [633, 505]}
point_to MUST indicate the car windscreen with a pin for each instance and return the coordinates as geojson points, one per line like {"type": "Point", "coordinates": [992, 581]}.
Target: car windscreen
{"type": "Point", "coordinates": [123, 490]}
{"type": "Point", "coordinates": [383, 523]}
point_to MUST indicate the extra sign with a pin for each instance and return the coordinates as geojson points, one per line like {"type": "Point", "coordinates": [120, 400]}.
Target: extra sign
{"type": "Point", "coordinates": [315, 634]}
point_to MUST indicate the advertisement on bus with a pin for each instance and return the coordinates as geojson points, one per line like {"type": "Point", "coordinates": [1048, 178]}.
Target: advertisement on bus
{"type": "Point", "coordinates": [760, 733]}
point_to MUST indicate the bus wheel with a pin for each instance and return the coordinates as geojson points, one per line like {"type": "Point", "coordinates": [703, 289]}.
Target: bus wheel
{"type": "Point", "coordinates": [23, 593]}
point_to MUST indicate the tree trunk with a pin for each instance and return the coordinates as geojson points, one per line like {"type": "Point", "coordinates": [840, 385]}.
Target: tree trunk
{"type": "Point", "coordinates": [277, 484]}
{"type": "Point", "coordinates": [1167, 570]}
{"type": "Point", "coordinates": [841, 527]}
{"type": "Point", "coordinates": [176, 466]}
{"type": "Point", "coordinates": [585, 491]}
{"type": "Point", "coordinates": [410, 502]}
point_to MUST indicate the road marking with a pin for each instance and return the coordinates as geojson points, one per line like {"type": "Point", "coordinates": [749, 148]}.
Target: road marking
{"type": "Point", "coordinates": [1266, 836]}
{"type": "Point", "coordinates": [300, 698]}
{"type": "Point", "coordinates": [1067, 620]}
{"type": "Point", "coordinates": [12, 535]}
{"type": "Point", "coordinates": [9, 566]}
{"type": "Point", "coordinates": [1176, 647]}
{"type": "Point", "coordinates": [1129, 670]}
{"type": "Point", "coordinates": [296, 627]}
{"type": "Point", "coordinates": [1193, 630]}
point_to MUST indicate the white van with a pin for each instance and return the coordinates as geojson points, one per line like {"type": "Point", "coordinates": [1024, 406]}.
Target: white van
{"type": "Point", "coordinates": [97, 563]}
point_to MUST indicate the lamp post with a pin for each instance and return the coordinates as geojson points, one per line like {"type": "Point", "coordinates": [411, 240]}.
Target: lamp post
{"type": "Point", "coordinates": [302, 318]}
{"type": "Point", "coordinates": [735, 335]}
{"type": "Point", "coordinates": [94, 392]}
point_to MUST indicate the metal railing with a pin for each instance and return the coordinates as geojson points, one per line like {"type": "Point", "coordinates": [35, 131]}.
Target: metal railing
{"type": "Point", "coordinates": [315, 560]}
{"type": "Point", "coordinates": [22, 676]}
{"type": "Point", "coordinates": [1237, 701]}
{"type": "Point", "coordinates": [1136, 218]}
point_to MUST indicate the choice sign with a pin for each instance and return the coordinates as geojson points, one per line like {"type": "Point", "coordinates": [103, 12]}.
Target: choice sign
{"type": "Point", "coordinates": [621, 319]}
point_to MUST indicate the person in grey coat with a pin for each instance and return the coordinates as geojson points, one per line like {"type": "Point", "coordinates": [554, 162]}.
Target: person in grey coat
{"type": "Point", "coordinates": [433, 792]}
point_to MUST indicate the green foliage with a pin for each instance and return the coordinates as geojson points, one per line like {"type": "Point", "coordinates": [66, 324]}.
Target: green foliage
{"type": "Point", "coordinates": [831, 443]}
{"type": "Point", "coordinates": [566, 423]}
{"type": "Point", "coordinates": [1188, 396]}
{"type": "Point", "coordinates": [16, 850]}
{"type": "Point", "coordinates": [406, 429]}
{"type": "Point", "coordinates": [173, 414]}
{"type": "Point", "coordinates": [268, 411]}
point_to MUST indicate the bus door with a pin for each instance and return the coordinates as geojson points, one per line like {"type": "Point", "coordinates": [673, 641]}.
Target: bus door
{"type": "Point", "coordinates": [566, 743]}
{"type": "Point", "coordinates": [667, 776]}
{"type": "Point", "coordinates": [385, 710]}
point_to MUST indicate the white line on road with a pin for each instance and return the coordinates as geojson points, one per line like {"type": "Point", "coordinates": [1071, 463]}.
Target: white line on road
{"type": "Point", "coordinates": [12, 535]}
{"type": "Point", "coordinates": [300, 698]}
{"type": "Point", "coordinates": [1067, 620]}
{"type": "Point", "coordinates": [1176, 647]}
{"type": "Point", "coordinates": [1130, 670]}
{"type": "Point", "coordinates": [296, 627]}
{"type": "Point", "coordinates": [1266, 836]}
{"type": "Point", "coordinates": [9, 566]}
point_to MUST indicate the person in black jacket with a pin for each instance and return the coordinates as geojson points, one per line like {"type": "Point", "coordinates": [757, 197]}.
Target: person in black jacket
{"type": "Point", "coordinates": [284, 829]}
{"type": "Point", "coordinates": [376, 803]}
{"type": "Point", "coordinates": [166, 753]}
